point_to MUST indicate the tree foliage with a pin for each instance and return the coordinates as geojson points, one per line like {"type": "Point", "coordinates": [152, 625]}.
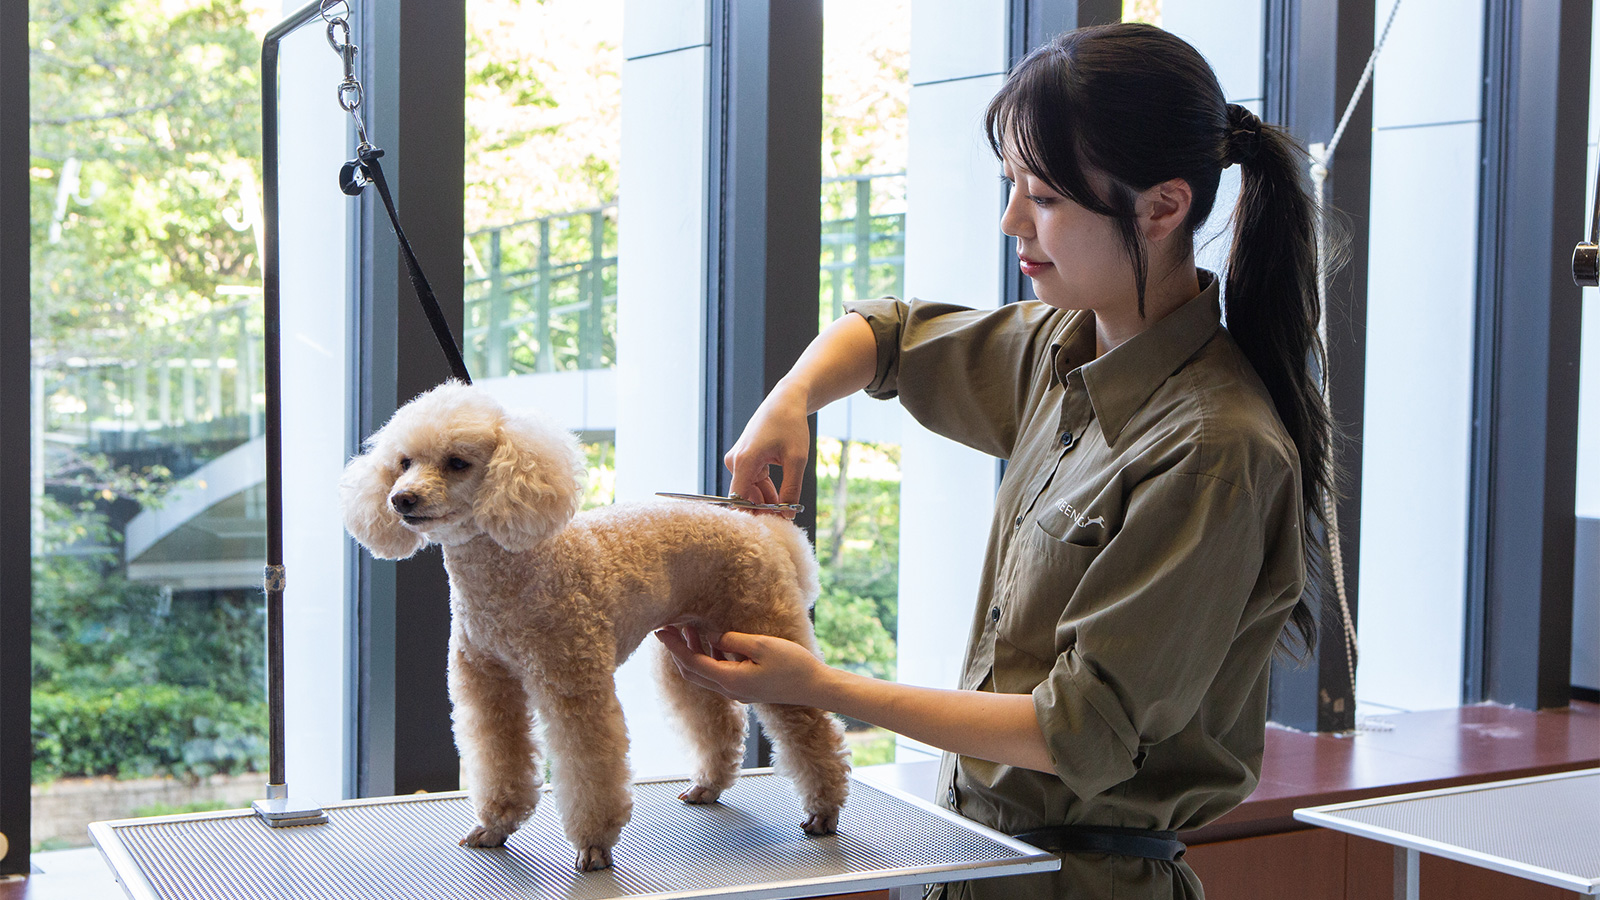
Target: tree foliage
{"type": "Point", "coordinates": [158, 113]}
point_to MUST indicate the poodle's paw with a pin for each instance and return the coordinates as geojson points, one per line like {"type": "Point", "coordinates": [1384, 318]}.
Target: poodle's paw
{"type": "Point", "coordinates": [591, 859]}
{"type": "Point", "coordinates": [700, 794]}
{"type": "Point", "coordinates": [484, 836]}
{"type": "Point", "coordinates": [821, 823]}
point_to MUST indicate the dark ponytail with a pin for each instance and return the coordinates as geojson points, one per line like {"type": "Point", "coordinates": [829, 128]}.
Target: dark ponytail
{"type": "Point", "coordinates": [1273, 312]}
{"type": "Point", "coordinates": [1140, 106]}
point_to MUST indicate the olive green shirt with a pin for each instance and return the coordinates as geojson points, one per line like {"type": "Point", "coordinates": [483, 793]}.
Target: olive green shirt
{"type": "Point", "coordinates": [1144, 558]}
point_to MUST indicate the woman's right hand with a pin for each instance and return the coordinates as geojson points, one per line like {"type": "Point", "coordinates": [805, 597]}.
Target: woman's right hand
{"type": "Point", "coordinates": [778, 434]}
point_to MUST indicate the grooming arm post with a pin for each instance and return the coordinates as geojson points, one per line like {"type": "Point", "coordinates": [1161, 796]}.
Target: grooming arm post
{"type": "Point", "coordinates": [278, 809]}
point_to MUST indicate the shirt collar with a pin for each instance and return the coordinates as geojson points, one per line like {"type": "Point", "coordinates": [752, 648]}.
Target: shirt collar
{"type": "Point", "coordinates": [1122, 380]}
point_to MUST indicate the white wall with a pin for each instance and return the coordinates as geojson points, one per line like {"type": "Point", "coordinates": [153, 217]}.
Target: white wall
{"type": "Point", "coordinates": [660, 299]}
{"type": "Point", "coordinates": [1420, 296]}
{"type": "Point", "coordinates": [315, 271]}
{"type": "Point", "coordinates": [953, 249]}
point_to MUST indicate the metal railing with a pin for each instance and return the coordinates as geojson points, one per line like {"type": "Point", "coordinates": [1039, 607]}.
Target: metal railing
{"type": "Point", "coordinates": [196, 384]}
{"type": "Point", "coordinates": [863, 251]}
{"type": "Point", "coordinates": [541, 294]}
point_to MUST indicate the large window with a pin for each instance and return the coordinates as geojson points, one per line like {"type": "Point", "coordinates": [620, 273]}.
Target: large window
{"type": "Point", "coordinates": [147, 400]}
{"type": "Point", "coordinates": [866, 88]}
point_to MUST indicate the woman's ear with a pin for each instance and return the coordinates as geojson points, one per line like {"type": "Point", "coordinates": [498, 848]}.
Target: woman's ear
{"type": "Point", "coordinates": [1163, 209]}
{"type": "Point", "coordinates": [364, 504]}
{"type": "Point", "coordinates": [532, 485]}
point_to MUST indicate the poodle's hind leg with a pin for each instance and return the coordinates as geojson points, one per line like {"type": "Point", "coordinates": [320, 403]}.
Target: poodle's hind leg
{"type": "Point", "coordinates": [494, 733]}
{"type": "Point", "coordinates": [589, 756]}
{"type": "Point", "coordinates": [714, 726]}
{"type": "Point", "coordinates": [808, 743]}
{"type": "Point", "coordinates": [809, 749]}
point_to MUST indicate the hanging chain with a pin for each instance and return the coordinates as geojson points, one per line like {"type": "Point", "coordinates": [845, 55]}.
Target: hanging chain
{"type": "Point", "coordinates": [337, 14]}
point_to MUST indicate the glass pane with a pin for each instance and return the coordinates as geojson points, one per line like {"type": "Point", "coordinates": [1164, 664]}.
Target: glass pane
{"type": "Point", "coordinates": [866, 92]}
{"type": "Point", "coordinates": [544, 111]}
{"type": "Point", "coordinates": [147, 384]}
{"type": "Point", "coordinates": [540, 248]}
{"type": "Point", "coordinates": [1142, 11]}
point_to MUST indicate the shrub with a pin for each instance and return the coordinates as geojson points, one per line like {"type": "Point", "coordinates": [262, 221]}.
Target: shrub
{"type": "Point", "coordinates": [145, 730]}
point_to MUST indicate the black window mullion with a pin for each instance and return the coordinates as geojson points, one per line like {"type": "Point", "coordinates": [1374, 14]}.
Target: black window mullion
{"type": "Point", "coordinates": [764, 232]}
{"type": "Point", "coordinates": [16, 521]}
{"type": "Point", "coordinates": [1524, 445]}
{"type": "Point", "coordinates": [414, 71]}
{"type": "Point", "coordinates": [1314, 54]}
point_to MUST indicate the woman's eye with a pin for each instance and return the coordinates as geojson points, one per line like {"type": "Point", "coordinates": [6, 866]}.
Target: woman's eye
{"type": "Point", "coordinates": [1041, 201]}
{"type": "Point", "coordinates": [405, 463]}
{"type": "Point", "coordinates": [458, 463]}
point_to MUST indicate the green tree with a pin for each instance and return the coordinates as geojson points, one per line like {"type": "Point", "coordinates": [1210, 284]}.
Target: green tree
{"type": "Point", "coordinates": [157, 114]}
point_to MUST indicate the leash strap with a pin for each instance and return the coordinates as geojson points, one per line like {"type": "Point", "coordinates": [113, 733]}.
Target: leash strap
{"type": "Point", "coordinates": [367, 160]}
{"type": "Point", "coordinates": [1140, 842]}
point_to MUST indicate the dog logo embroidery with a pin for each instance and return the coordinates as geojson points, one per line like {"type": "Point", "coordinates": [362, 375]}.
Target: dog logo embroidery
{"type": "Point", "coordinates": [1080, 519]}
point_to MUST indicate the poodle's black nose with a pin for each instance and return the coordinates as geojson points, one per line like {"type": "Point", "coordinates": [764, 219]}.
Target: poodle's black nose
{"type": "Point", "coordinates": [403, 502]}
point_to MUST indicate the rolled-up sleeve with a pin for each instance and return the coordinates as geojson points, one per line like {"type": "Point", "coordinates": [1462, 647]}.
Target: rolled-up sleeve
{"type": "Point", "coordinates": [963, 373]}
{"type": "Point", "coordinates": [1151, 623]}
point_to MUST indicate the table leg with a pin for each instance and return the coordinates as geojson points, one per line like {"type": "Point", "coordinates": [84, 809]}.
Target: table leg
{"type": "Point", "coordinates": [1407, 874]}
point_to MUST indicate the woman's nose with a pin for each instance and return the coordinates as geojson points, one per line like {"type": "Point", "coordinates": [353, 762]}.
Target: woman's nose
{"type": "Point", "coordinates": [1014, 221]}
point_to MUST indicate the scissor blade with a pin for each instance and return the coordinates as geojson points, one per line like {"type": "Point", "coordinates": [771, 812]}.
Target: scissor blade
{"type": "Point", "coordinates": [736, 502]}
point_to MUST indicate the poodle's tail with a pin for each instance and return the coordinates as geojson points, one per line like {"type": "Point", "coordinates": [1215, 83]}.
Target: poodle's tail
{"type": "Point", "coordinates": [805, 559]}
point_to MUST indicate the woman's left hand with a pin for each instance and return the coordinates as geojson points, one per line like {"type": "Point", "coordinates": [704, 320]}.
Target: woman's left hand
{"type": "Point", "coordinates": [750, 668]}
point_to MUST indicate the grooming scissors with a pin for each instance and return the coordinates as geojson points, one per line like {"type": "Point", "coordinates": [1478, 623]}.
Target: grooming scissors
{"type": "Point", "coordinates": [734, 501]}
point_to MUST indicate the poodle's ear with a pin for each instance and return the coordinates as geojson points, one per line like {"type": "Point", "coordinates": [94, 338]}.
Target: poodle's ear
{"type": "Point", "coordinates": [364, 504]}
{"type": "Point", "coordinates": [533, 484]}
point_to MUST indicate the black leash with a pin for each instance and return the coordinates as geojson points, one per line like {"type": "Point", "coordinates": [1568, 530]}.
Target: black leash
{"type": "Point", "coordinates": [356, 174]}
{"type": "Point", "coordinates": [353, 177]}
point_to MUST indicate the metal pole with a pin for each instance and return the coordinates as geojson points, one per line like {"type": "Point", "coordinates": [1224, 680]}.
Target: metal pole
{"type": "Point", "coordinates": [277, 809]}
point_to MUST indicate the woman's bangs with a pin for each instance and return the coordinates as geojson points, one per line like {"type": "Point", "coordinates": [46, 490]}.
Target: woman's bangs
{"type": "Point", "coordinates": [1044, 144]}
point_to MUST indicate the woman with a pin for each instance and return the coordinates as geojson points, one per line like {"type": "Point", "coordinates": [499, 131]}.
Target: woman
{"type": "Point", "coordinates": [1151, 531]}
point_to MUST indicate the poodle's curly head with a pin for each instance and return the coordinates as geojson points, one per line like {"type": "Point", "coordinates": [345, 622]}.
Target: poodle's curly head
{"type": "Point", "coordinates": [453, 464]}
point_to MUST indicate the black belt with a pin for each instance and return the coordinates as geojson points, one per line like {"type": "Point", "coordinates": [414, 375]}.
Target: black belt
{"type": "Point", "coordinates": [1141, 842]}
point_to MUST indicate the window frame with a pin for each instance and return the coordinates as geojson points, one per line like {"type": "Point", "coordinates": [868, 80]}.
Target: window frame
{"type": "Point", "coordinates": [1522, 497]}
{"type": "Point", "coordinates": [16, 520]}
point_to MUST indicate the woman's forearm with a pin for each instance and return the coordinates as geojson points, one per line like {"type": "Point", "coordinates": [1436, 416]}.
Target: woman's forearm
{"type": "Point", "coordinates": [840, 361]}
{"type": "Point", "coordinates": [1001, 728]}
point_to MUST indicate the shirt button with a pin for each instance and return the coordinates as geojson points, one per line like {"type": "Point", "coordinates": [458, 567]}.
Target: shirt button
{"type": "Point", "coordinates": [1017, 523]}
{"type": "Point", "coordinates": [950, 797]}
{"type": "Point", "coordinates": [1066, 439]}
{"type": "Point", "coordinates": [994, 613]}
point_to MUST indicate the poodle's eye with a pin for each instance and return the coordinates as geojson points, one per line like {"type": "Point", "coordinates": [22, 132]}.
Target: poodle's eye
{"type": "Point", "coordinates": [405, 463]}
{"type": "Point", "coordinates": [458, 463]}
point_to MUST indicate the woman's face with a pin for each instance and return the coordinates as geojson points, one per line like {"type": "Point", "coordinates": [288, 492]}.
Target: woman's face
{"type": "Point", "coordinates": [1075, 257]}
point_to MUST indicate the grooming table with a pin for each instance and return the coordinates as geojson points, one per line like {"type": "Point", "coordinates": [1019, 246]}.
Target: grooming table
{"type": "Point", "coordinates": [748, 845]}
{"type": "Point", "coordinates": [1545, 829]}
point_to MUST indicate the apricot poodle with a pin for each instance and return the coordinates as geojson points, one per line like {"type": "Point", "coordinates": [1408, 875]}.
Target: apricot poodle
{"type": "Point", "coordinates": [546, 602]}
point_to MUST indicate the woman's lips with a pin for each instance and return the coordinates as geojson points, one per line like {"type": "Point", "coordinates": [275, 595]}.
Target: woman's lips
{"type": "Point", "coordinates": [1031, 268]}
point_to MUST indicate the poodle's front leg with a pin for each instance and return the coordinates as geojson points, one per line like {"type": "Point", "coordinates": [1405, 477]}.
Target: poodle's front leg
{"type": "Point", "coordinates": [589, 764]}
{"type": "Point", "coordinates": [494, 734]}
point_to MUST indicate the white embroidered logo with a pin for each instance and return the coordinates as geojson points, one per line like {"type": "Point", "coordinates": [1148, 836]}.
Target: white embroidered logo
{"type": "Point", "coordinates": [1079, 518]}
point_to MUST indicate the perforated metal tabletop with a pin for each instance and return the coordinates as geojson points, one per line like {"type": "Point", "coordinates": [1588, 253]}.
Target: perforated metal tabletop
{"type": "Point", "coordinates": [1545, 829]}
{"type": "Point", "coordinates": [748, 845]}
